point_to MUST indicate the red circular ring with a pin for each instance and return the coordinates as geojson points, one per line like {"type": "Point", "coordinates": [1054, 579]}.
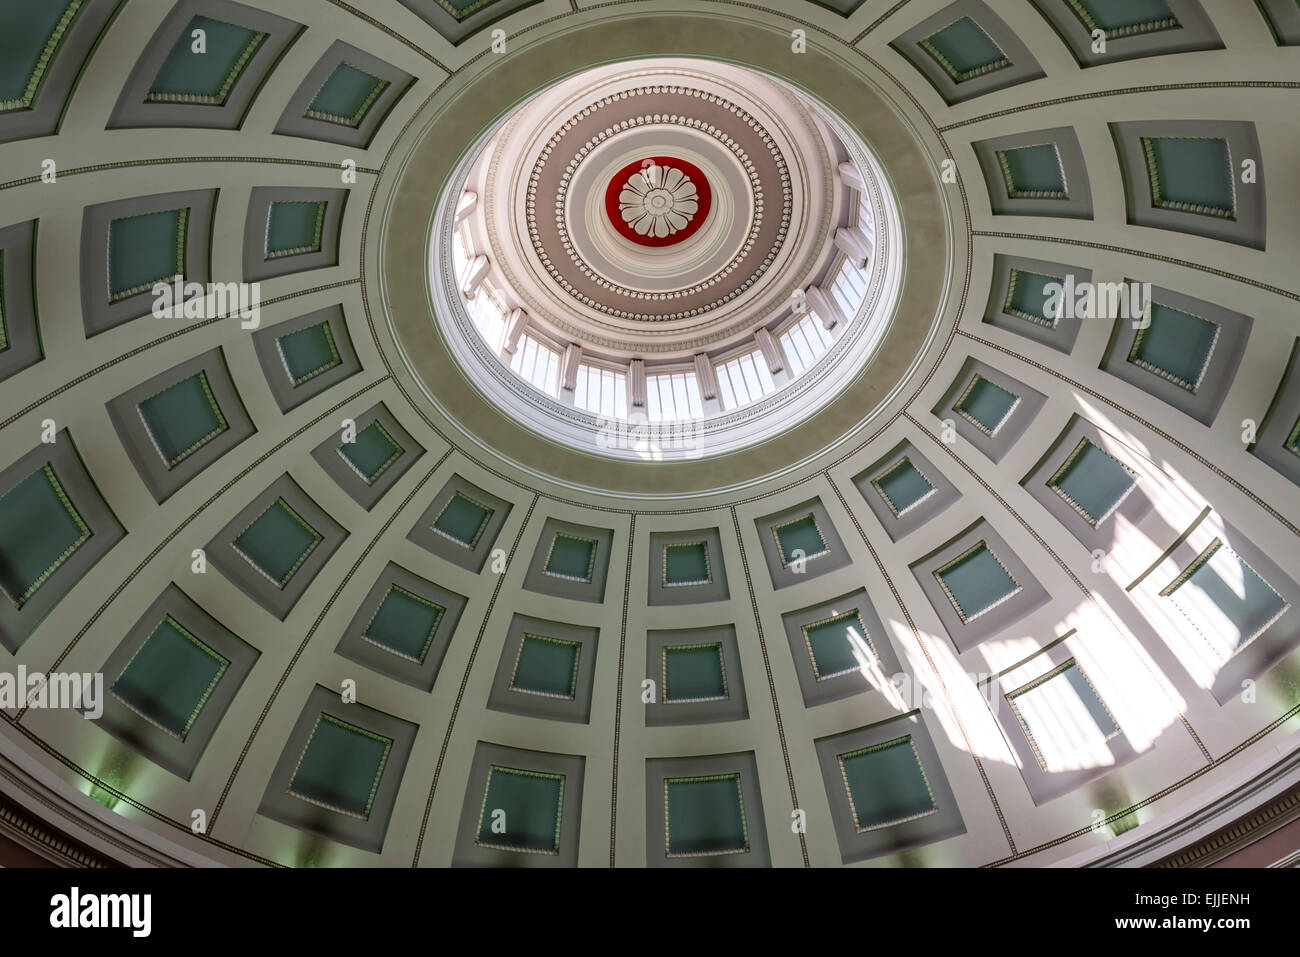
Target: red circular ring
{"type": "Point", "coordinates": [704, 199]}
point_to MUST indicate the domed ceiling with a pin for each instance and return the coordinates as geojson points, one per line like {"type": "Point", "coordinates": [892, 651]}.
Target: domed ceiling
{"type": "Point", "coordinates": [712, 434]}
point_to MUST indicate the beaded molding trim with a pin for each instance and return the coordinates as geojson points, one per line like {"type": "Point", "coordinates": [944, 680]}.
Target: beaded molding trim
{"type": "Point", "coordinates": [905, 461]}
{"type": "Point", "coordinates": [54, 566]}
{"type": "Point", "coordinates": [780, 546]}
{"type": "Point", "coordinates": [334, 354]}
{"type": "Point", "coordinates": [222, 424]}
{"type": "Point", "coordinates": [1010, 310]}
{"type": "Point", "coordinates": [895, 743]}
{"type": "Point", "coordinates": [1065, 467]}
{"type": "Point", "coordinates": [42, 68]}
{"type": "Point", "coordinates": [1041, 680]}
{"type": "Point", "coordinates": [807, 641]}
{"type": "Point", "coordinates": [317, 538]}
{"type": "Point", "coordinates": [223, 91]}
{"type": "Point", "coordinates": [397, 453]}
{"type": "Point", "coordinates": [591, 559]}
{"type": "Point", "coordinates": [957, 406]}
{"type": "Point", "coordinates": [573, 678]}
{"type": "Point", "coordinates": [379, 771]}
{"type": "Point", "coordinates": [1133, 29]}
{"type": "Point", "coordinates": [708, 568]}
{"type": "Point", "coordinates": [1141, 337]}
{"type": "Point", "coordinates": [223, 663]}
{"type": "Point", "coordinates": [355, 119]}
{"type": "Point", "coordinates": [1201, 560]}
{"type": "Point", "coordinates": [473, 542]}
{"type": "Point", "coordinates": [559, 811]}
{"type": "Point", "coordinates": [653, 119]}
{"type": "Point", "coordinates": [938, 575]}
{"type": "Point", "coordinates": [956, 75]}
{"type": "Point", "coordinates": [740, 804]}
{"type": "Point", "coordinates": [314, 246]}
{"type": "Point", "coordinates": [722, 670]}
{"type": "Point", "coordinates": [1153, 175]}
{"type": "Point", "coordinates": [182, 222]}
{"type": "Point", "coordinates": [1015, 193]}
{"type": "Point", "coordinates": [428, 641]}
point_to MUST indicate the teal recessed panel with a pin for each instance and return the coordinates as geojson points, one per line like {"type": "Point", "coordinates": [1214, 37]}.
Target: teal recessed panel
{"type": "Point", "coordinates": [1190, 174]}
{"type": "Point", "coordinates": [39, 531]}
{"type": "Point", "coordinates": [522, 811]}
{"type": "Point", "coordinates": [341, 766]}
{"type": "Point", "coordinates": [986, 405]}
{"type": "Point", "coordinates": [278, 542]}
{"type": "Point", "coordinates": [571, 558]}
{"type": "Point", "coordinates": [347, 96]}
{"type": "Point", "coordinates": [170, 678]}
{"type": "Point", "coordinates": [976, 581]}
{"type": "Point", "coordinates": [209, 74]}
{"type": "Point", "coordinates": [183, 418]}
{"type": "Point", "coordinates": [694, 673]}
{"type": "Point", "coordinates": [902, 486]}
{"type": "Point", "coordinates": [799, 539]}
{"type": "Point", "coordinates": [1028, 297]}
{"type": "Point", "coordinates": [547, 666]}
{"type": "Point", "coordinates": [294, 227]}
{"type": "Point", "coordinates": [1176, 346]}
{"type": "Point", "coordinates": [372, 453]}
{"type": "Point", "coordinates": [1093, 481]}
{"type": "Point", "coordinates": [145, 250]}
{"type": "Point", "coordinates": [886, 784]}
{"type": "Point", "coordinates": [404, 624]}
{"type": "Point", "coordinates": [1033, 172]}
{"type": "Point", "coordinates": [1226, 599]}
{"type": "Point", "coordinates": [1293, 441]}
{"type": "Point", "coordinates": [308, 352]}
{"type": "Point", "coordinates": [462, 520]}
{"type": "Point", "coordinates": [1120, 18]}
{"type": "Point", "coordinates": [705, 816]}
{"type": "Point", "coordinates": [686, 563]}
{"type": "Point", "coordinates": [964, 50]}
{"type": "Point", "coordinates": [838, 645]}
{"type": "Point", "coordinates": [30, 37]}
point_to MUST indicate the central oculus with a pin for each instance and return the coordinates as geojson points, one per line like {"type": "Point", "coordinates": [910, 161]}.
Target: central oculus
{"type": "Point", "coordinates": [658, 201]}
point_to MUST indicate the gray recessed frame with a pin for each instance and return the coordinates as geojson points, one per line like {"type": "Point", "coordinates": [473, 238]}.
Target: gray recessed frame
{"type": "Point", "coordinates": [1021, 69]}
{"type": "Point", "coordinates": [1044, 785]}
{"type": "Point", "coordinates": [278, 601]}
{"type": "Point", "coordinates": [833, 688]}
{"type": "Point", "coordinates": [134, 110]}
{"type": "Point", "coordinates": [18, 285]}
{"type": "Point", "coordinates": [296, 122]}
{"type": "Point", "coordinates": [998, 444]}
{"type": "Point", "coordinates": [1077, 203]}
{"type": "Point", "coordinates": [733, 707]}
{"type": "Point", "coordinates": [1248, 224]}
{"type": "Point", "coordinates": [457, 29]}
{"type": "Point", "coordinates": [98, 312]}
{"type": "Point", "coordinates": [1202, 405]}
{"type": "Point", "coordinates": [857, 845]}
{"type": "Point", "coordinates": [713, 590]}
{"type": "Point", "coordinates": [17, 624]}
{"type": "Point", "coordinates": [330, 458]}
{"type": "Point", "coordinates": [367, 834]}
{"type": "Point", "coordinates": [423, 533]}
{"type": "Point", "coordinates": [46, 114]}
{"type": "Point", "coordinates": [257, 266]}
{"type": "Point", "coordinates": [966, 635]}
{"type": "Point", "coordinates": [813, 566]}
{"type": "Point", "coordinates": [1283, 18]}
{"type": "Point", "coordinates": [123, 411]}
{"type": "Point", "coordinates": [287, 395]}
{"type": "Point", "coordinates": [1133, 507]}
{"type": "Point", "coordinates": [1283, 413]}
{"type": "Point", "coordinates": [418, 674]}
{"type": "Point", "coordinates": [469, 853]}
{"type": "Point", "coordinates": [576, 709]}
{"type": "Point", "coordinates": [1061, 335]}
{"type": "Point", "coordinates": [179, 756]}
{"type": "Point", "coordinates": [902, 524]}
{"type": "Point", "coordinates": [538, 580]}
{"type": "Point", "coordinates": [1195, 31]}
{"type": "Point", "coordinates": [658, 770]}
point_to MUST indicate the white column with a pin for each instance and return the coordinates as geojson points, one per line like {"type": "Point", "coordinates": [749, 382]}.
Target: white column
{"type": "Point", "coordinates": [705, 377]}
{"type": "Point", "coordinates": [468, 203]}
{"type": "Point", "coordinates": [474, 277]}
{"type": "Point", "coordinates": [569, 366]}
{"type": "Point", "coordinates": [852, 178]}
{"type": "Point", "coordinates": [771, 351]}
{"type": "Point", "coordinates": [821, 304]}
{"type": "Point", "coordinates": [853, 244]}
{"type": "Point", "coordinates": [636, 382]}
{"type": "Point", "coordinates": [516, 323]}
